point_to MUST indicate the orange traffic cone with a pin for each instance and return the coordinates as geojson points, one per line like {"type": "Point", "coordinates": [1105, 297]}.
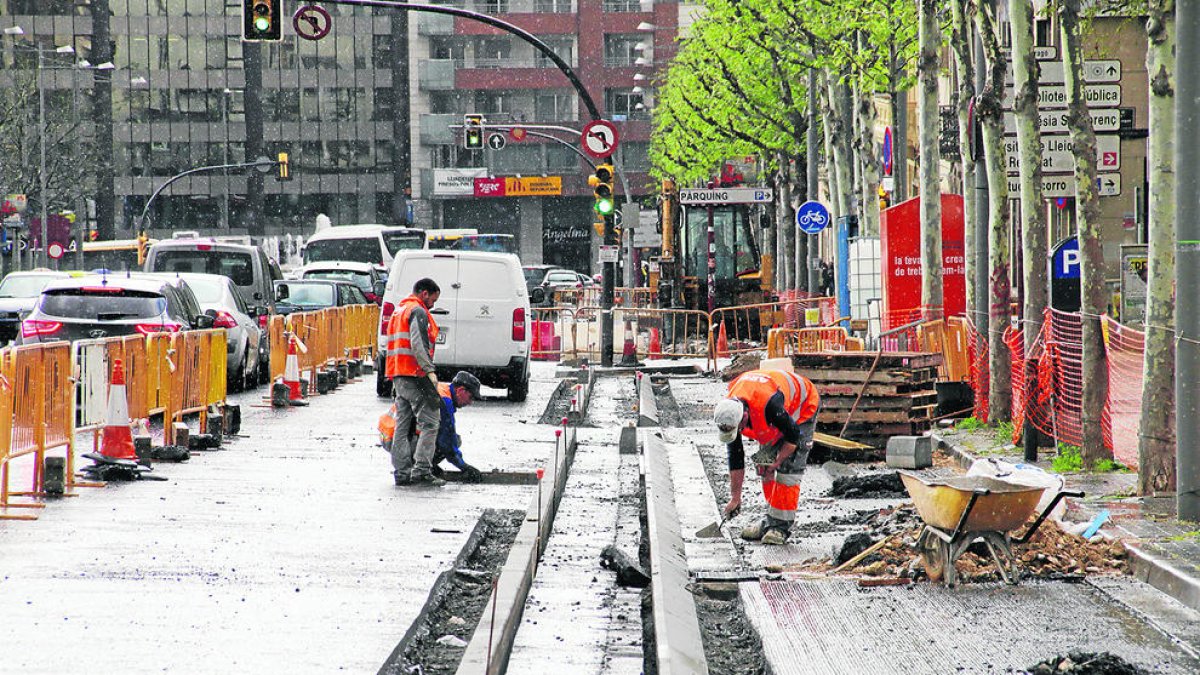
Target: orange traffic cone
{"type": "Point", "coordinates": [116, 441]}
{"type": "Point", "coordinates": [655, 344]}
{"type": "Point", "coordinates": [291, 375]}
{"type": "Point", "coordinates": [722, 342]}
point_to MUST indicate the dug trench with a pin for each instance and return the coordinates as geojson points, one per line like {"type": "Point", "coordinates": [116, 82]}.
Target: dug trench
{"type": "Point", "coordinates": [731, 644]}
{"type": "Point", "coordinates": [435, 641]}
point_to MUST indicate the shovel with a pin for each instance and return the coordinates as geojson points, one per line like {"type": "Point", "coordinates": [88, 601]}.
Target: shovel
{"type": "Point", "coordinates": [713, 529]}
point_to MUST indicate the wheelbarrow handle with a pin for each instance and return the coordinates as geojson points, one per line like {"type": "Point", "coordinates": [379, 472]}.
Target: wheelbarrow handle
{"type": "Point", "coordinates": [962, 520]}
{"type": "Point", "coordinates": [1042, 517]}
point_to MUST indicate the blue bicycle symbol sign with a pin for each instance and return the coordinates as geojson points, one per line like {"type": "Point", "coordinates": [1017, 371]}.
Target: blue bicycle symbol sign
{"type": "Point", "coordinates": [812, 217]}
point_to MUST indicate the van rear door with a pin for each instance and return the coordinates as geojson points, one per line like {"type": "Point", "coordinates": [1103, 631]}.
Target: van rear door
{"type": "Point", "coordinates": [442, 268]}
{"type": "Point", "coordinates": [490, 290]}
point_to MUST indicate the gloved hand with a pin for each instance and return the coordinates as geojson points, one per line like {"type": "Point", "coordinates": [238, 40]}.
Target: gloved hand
{"type": "Point", "coordinates": [471, 474]}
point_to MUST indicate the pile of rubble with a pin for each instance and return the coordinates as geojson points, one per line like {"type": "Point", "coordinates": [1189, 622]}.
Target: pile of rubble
{"type": "Point", "coordinates": [890, 537]}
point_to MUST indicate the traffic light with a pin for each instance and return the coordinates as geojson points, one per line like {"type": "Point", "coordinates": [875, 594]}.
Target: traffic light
{"type": "Point", "coordinates": [285, 168]}
{"type": "Point", "coordinates": [473, 132]}
{"type": "Point", "coordinates": [261, 20]}
{"type": "Point", "coordinates": [602, 189]}
{"type": "Point", "coordinates": [883, 198]}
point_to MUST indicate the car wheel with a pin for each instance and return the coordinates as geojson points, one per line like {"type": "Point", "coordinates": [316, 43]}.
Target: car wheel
{"type": "Point", "coordinates": [264, 367]}
{"type": "Point", "coordinates": [383, 387]}
{"type": "Point", "coordinates": [519, 391]}
{"type": "Point", "coordinates": [236, 381]}
{"type": "Point", "coordinates": [250, 377]}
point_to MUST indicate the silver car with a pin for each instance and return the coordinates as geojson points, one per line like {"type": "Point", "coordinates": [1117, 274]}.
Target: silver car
{"type": "Point", "coordinates": [218, 296]}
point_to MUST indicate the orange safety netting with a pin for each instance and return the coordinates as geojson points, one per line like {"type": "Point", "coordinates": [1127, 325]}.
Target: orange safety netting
{"type": "Point", "coordinates": [1015, 339]}
{"type": "Point", "coordinates": [1125, 351]}
{"type": "Point", "coordinates": [893, 340]}
{"type": "Point", "coordinates": [978, 378]}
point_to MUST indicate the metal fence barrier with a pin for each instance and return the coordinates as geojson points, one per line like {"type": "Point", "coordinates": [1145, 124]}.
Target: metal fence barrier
{"type": "Point", "coordinates": [331, 337]}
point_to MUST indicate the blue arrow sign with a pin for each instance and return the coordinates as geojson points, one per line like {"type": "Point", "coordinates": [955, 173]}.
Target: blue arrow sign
{"type": "Point", "coordinates": [812, 217]}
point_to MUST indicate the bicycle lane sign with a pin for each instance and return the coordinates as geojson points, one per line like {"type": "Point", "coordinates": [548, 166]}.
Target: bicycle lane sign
{"type": "Point", "coordinates": [812, 217]}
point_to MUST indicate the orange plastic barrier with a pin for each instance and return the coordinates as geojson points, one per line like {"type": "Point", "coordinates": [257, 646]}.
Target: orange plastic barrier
{"type": "Point", "coordinates": [330, 337]}
{"type": "Point", "coordinates": [748, 327]}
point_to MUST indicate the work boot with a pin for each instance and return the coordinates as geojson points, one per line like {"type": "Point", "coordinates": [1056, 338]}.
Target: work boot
{"type": "Point", "coordinates": [775, 537]}
{"type": "Point", "coordinates": [427, 480]}
{"type": "Point", "coordinates": [754, 532]}
{"type": "Point", "coordinates": [402, 480]}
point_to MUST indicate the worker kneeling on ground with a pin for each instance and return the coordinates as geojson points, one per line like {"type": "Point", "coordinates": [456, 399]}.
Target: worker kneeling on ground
{"type": "Point", "coordinates": [779, 410]}
{"type": "Point", "coordinates": [461, 392]}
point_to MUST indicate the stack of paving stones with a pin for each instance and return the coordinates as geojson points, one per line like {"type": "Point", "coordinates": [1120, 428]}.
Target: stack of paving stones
{"type": "Point", "coordinates": [899, 398]}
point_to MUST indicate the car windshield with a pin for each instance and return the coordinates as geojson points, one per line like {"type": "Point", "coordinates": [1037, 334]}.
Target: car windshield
{"type": "Point", "coordinates": [364, 249]}
{"type": "Point", "coordinates": [534, 276]}
{"type": "Point", "coordinates": [103, 304]}
{"type": "Point", "coordinates": [403, 241]}
{"type": "Point", "coordinates": [19, 286]}
{"type": "Point", "coordinates": [360, 279]}
{"type": "Point", "coordinates": [237, 266]}
{"type": "Point", "coordinates": [310, 295]}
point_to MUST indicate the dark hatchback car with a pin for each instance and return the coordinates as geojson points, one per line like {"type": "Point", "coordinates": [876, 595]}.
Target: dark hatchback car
{"type": "Point", "coordinates": [309, 295]}
{"type": "Point", "coordinates": [100, 306]}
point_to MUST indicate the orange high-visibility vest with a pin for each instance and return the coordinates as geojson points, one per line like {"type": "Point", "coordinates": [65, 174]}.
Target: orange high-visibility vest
{"type": "Point", "coordinates": [400, 359]}
{"type": "Point", "coordinates": [800, 399]}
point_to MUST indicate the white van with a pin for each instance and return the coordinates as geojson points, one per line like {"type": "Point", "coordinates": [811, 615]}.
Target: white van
{"type": "Point", "coordinates": [483, 314]}
{"type": "Point", "coordinates": [375, 244]}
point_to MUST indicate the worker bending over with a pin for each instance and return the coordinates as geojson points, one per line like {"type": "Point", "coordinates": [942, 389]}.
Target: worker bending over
{"type": "Point", "coordinates": [778, 409]}
{"type": "Point", "coordinates": [461, 392]}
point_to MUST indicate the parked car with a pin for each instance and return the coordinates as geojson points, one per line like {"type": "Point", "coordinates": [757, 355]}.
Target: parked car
{"type": "Point", "coordinates": [308, 295]}
{"type": "Point", "coordinates": [364, 275]}
{"type": "Point", "coordinates": [373, 244]}
{"type": "Point", "coordinates": [248, 348]}
{"type": "Point", "coordinates": [560, 279]}
{"type": "Point", "coordinates": [106, 305]}
{"type": "Point", "coordinates": [250, 269]}
{"type": "Point", "coordinates": [19, 293]}
{"type": "Point", "coordinates": [483, 315]}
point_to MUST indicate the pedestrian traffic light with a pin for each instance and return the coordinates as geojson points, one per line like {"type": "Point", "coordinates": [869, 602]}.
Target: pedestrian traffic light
{"type": "Point", "coordinates": [285, 169]}
{"type": "Point", "coordinates": [602, 189]}
{"type": "Point", "coordinates": [261, 20]}
{"type": "Point", "coordinates": [473, 132]}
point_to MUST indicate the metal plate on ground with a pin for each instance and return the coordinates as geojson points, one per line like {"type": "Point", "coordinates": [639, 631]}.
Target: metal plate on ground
{"type": "Point", "coordinates": [830, 627]}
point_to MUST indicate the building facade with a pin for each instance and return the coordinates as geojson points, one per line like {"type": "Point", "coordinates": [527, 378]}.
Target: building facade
{"type": "Point", "coordinates": [176, 88]}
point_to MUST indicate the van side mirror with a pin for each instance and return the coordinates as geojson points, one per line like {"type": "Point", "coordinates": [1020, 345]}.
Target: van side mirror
{"type": "Point", "coordinates": [380, 288]}
{"type": "Point", "coordinates": [205, 321]}
{"type": "Point", "coordinates": [281, 292]}
{"type": "Point", "coordinates": [537, 296]}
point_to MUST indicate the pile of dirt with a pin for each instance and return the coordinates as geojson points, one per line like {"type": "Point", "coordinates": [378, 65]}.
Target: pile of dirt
{"type": "Point", "coordinates": [869, 486]}
{"type": "Point", "coordinates": [1086, 663]}
{"type": "Point", "coordinates": [1050, 554]}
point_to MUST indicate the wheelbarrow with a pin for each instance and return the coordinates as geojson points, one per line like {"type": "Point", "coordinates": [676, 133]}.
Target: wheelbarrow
{"type": "Point", "coordinates": [961, 511]}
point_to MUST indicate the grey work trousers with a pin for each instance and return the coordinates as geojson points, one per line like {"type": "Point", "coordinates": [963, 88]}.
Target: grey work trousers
{"type": "Point", "coordinates": [416, 397]}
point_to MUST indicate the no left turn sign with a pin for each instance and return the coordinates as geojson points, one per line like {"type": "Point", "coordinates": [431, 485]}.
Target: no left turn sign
{"type": "Point", "coordinates": [599, 138]}
{"type": "Point", "coordinates": [312, 22]}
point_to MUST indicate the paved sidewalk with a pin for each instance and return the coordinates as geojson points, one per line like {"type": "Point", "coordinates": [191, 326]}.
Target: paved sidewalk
{"type": "Point", "coordinates": [1166, 551]}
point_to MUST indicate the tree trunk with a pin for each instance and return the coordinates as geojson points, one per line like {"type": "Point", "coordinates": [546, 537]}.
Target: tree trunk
{"type": "Point", "coordinates": [1087, 217]}
{"type": "Point", "coordinates": [1156, 442]}
{"type": "Point", "coordinates": [1026, 74]}
{"type": "Point", "coordinates": [799, 195]}
{"type": "Point", "coordinates": [781, 222]}
{"type": "Point", "coordinates": [929, 37]}
{"type": "Point", "coordinates": [960, 41]}
{"type": "Point", "coordinates": [839, 145]}
{"type": "Point", "coordinates": [787, 233]}
{"type": "Point", "coordinates": [869, 178]}
{"type": "Point", "coordinates": [988, 112]}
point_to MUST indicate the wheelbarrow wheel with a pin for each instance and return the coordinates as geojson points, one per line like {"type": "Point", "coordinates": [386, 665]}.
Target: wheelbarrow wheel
{"type": "Point", "coordinates": [935, 553]}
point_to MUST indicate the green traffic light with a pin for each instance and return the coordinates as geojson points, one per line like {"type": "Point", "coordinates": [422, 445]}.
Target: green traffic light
{"type": "Point", "coordinates": [262, 24]}
{"type": "Point", "coordinates": [604, 206]}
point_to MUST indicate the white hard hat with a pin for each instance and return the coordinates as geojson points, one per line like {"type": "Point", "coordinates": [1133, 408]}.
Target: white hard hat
{"type": "Point", "coordinates": [728, 418]}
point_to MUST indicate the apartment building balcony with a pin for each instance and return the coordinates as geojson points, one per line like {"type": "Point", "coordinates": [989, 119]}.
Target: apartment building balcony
{"type": "Point", "coordinates": [435, 24]}
{"type": "Point", "coordinates": [436, 74]}
{"type": "Point", "coordinates": [435, 129]}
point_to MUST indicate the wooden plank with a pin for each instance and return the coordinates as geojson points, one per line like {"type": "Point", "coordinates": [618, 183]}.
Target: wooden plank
{"type": "Point", "coordinates": [884, 376]}
{"type": "Point", "coordinates": [855, 360]}
{"type": "Point", "coordinates": [901, 402]}
{"type": "Point", "coordinates": [870, 416]}
{"type": "Point", "coordinates": [831, 441]}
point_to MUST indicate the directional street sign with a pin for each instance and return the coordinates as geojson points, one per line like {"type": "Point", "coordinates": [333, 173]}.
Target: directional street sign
{"type": "Point", "coordinates": [1055, 121]}
{"type": "Point", "coordinates": [812, 217]}
{"type": "Point", "coordinates": [1094, 72]}
{"type": "Point", "coordinates": [1058, 154]}
{"type": "Point", "coordinates": [1055, 96]}
{"type": "Point", "coordinates": [599, 138]}
{"type": "Point", "coordinates": [1108, 70]}
{"type": "Point", "coordinates": [737, 195]}
{"type": "Point", "coordinates": [1054, 187]}
{"type": "Point", "coordinates": [496, 141]}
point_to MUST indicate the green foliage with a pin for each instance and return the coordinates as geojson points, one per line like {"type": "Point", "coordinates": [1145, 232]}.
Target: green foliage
{"type": "Point", "coordinates": [1004, 432]}
{"type": "Point", "coordinates": [1110, 466]}
{"type": "Point", "coordinates": [1068, 460]}
{"type": "Point", "coordinates": [970, 424]}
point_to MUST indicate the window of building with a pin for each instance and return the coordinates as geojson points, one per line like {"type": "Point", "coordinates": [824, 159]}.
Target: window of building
{"type": "Point", "coordinates": [554, 6]}
{"type": "Point", "coordinates": [563, 45]}
{"type": "Point", "coordinates": [444, 103]}
{"type": "Point", "coordinates": [1043, 32]}
{"type": "Point", "coordinates": [493, 6]}
{"type": "Point", "coordinates": [383, 106]}
{"type": "Point", "coordinates": [621, 49]}
{"type": "Point", "coordinates": [560, 159]}
{"type": "Point", "coordinates": [623, 103]}
{"type": "Point", "coordinates": [445, 47]}
{"type": "Point", "coordinates": [281, 105]}
{"type": "Point", "coordinates": [622, 5]}
{"type": "Point", "coordinates": [492, 52]}
{"type": "Point", "coordinates": [493, 102]}
{"type": "Point", "coordinates": [635, 156]}
{"type": "Point", "coordinates": [555, 107]}
{"type": "Point", "coordinates": [514, 159]}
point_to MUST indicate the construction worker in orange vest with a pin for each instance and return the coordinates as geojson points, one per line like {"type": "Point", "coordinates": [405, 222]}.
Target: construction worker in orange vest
{"type": "Point", "coordinates": [409, 342]}
{"type": "Point", "coordinates": [778, 409]}
{"type": "Point", "coordinates": [459, 393]}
